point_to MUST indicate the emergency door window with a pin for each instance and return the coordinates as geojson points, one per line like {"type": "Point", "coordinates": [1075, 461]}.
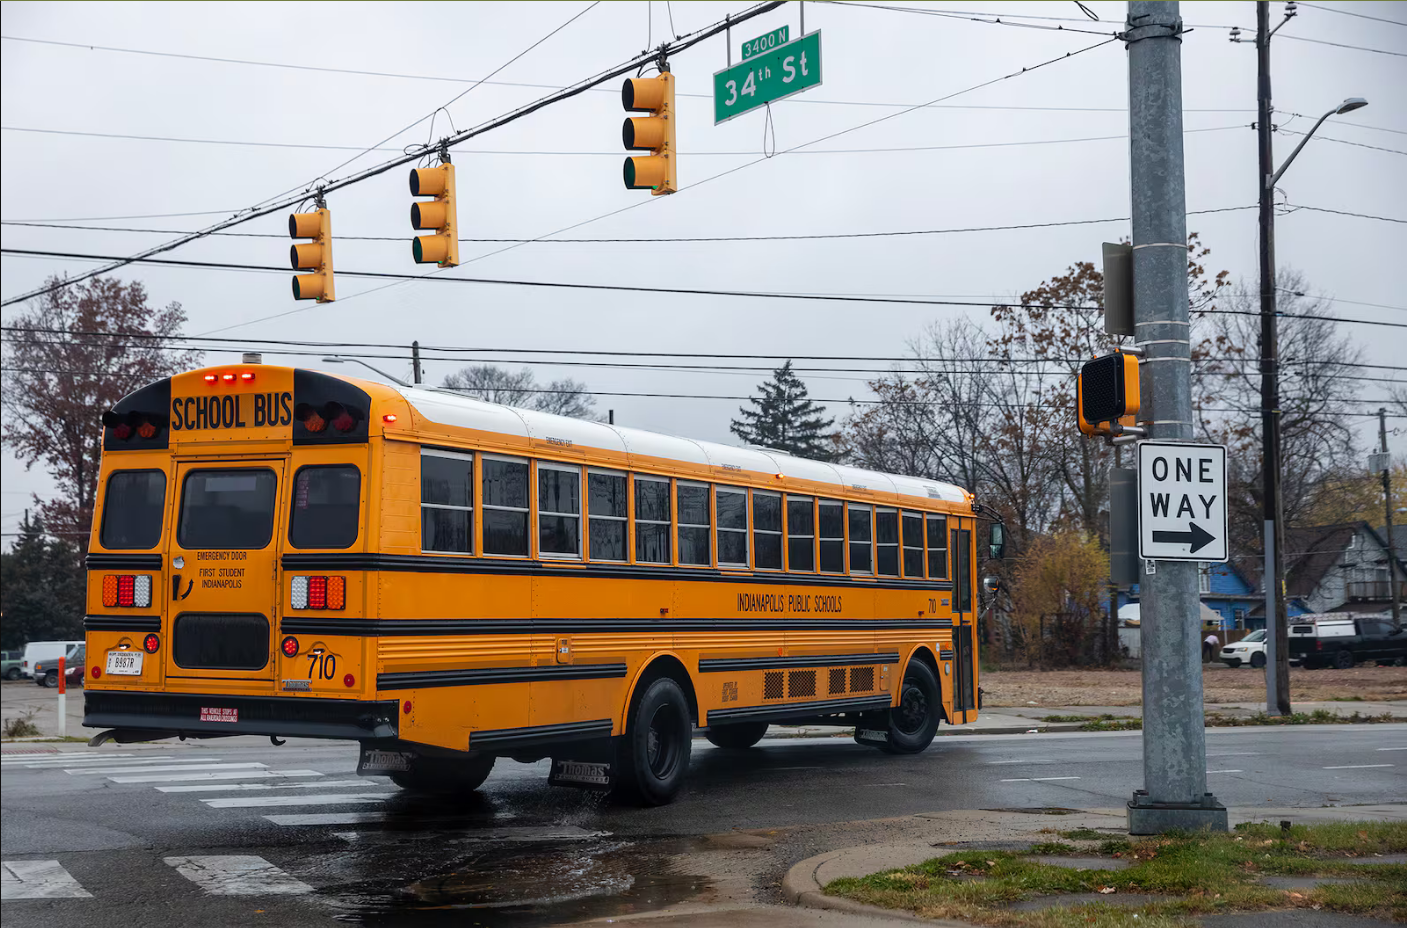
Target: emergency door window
{"type": "Point", "coordinates": [230, 509]}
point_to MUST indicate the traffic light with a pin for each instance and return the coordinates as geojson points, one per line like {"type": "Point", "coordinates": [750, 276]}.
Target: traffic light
{"type": "Point", "coordinates": [654, 133]}
{"type": "Point", "coordinates": [315, 256]}
{"type": "Point", "coordinates": [442, 248]}
{"type": "Point", "coordinates": [1107, 392]}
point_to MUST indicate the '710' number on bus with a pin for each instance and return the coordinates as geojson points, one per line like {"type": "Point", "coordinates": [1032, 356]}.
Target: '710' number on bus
{"type": "Point", "coordinates": [324, 665]}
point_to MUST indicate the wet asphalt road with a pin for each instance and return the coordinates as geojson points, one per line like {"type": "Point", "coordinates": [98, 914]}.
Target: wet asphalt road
{"type": "Point", "coordinates": [209, 834]}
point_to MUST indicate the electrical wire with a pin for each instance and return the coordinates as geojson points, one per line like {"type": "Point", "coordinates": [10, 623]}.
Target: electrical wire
{"type": "Point", "coordinates": [1356, 48]}
{"type": "Point", "coordinates": [1328, 138]}
{"type": "Point", "coordinates": [1331, 9]}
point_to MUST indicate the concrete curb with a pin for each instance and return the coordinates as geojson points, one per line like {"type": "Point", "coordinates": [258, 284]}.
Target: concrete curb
{"type": "Point", "coordinates": [800, 887]}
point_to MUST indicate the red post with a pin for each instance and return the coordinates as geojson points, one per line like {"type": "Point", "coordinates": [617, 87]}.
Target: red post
{"type": "Point", "coordinates": [63, 678]}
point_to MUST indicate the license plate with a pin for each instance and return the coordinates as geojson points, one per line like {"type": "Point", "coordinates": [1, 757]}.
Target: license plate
{"type": "Point", "coordinates": [125, 662]}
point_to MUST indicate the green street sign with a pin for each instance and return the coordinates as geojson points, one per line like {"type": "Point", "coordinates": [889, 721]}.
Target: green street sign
{"type": "Point", "coordinates": [765, 43]}
{"type": "Point", "coordinates": [767, 77]}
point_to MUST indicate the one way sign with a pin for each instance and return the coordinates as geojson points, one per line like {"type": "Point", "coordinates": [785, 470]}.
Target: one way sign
{"type": "Point", "coordinates": [1181, 501]}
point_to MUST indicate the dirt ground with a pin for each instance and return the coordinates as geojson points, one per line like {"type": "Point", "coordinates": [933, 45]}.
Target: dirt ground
{"type": "Point", "coordinates": [1220, 685]}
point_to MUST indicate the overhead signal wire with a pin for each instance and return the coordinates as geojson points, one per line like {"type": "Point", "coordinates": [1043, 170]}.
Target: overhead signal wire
{"type": "Point", "coordinates": [1343, 12]}
{"type": "Point", "coordinates": [374, 171]}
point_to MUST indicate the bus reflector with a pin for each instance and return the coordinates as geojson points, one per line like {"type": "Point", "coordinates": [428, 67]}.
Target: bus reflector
{"type": "Point", "coordinates": [349, 681]}
{"type": "Point", "coordinates": [289, 646]}
{"type": "Point", "coordinates": [127, 590]}
{"type": "Point", "coordinates": [97, 672]}
{"type": "Point", "coordinates": [150, 644]}
{"type": "Point", "coordinates": [318, 593]}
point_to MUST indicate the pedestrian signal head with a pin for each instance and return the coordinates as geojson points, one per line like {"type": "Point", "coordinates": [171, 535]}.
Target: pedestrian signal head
{"type": "Point", "coordinates": [1107, 392]}
{"type": "Point", "coordinates": [315, 256]}
{"type": "Point", "coordinates": [442, 247]}
{"type": "Point", "coordinates": [656, 171]}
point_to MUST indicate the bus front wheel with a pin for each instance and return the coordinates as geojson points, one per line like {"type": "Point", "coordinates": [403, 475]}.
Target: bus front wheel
{"type": "Point", "coordinates": [736, 737]}
{"type": "Point", "coordinates": [654, 753]}
{"type": "Point", "coordinates": [914, 722]}
{"type": "Point", "coordinates": [442, 776]}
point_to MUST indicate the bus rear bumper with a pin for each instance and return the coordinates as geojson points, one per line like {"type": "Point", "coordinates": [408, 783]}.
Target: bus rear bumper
{"type": "Point", "coordinates": [147, 716]}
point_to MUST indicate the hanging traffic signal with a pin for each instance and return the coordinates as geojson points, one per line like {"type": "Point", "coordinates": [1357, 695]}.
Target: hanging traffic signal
{"type": "Point", "coordinates": [315, 256]}
{"type": "Point", "coordinates": [1107, 392]}
{"type": "Point", "coordinates": [654, 133]}
{"type": "Point", "coordinates": [442, 248]}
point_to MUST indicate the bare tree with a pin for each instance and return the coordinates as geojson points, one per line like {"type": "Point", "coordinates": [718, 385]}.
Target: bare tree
{"type": "Point", "coordinates": [493, 384]}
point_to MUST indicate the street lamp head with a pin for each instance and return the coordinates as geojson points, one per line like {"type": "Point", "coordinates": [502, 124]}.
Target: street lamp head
{"type": "Point", "coordinates": [1351, 104]}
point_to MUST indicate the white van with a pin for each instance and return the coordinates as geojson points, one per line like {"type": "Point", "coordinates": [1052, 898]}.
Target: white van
{"type": "Point", "coordinates": [38, 652]}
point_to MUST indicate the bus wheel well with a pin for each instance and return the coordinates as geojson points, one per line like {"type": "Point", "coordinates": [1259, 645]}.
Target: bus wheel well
{"type": "Point", "coordinates": [926, 656]}
{"type": "Point", "coordinates": [667, 665]}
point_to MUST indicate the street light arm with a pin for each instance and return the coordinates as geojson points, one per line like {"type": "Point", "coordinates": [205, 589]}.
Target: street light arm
{"type": "Point", "coordinates": [336, 360]}
{"type": "Point", "coordinates": [1273, 179]}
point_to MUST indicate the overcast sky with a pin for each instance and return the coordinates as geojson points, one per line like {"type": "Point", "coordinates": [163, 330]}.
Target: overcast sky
{"type": "Point", "coordinates": [873, 60]}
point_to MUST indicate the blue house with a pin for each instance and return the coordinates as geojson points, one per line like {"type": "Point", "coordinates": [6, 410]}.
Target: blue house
{"type": "Point", "coordinates": [1229, 594]}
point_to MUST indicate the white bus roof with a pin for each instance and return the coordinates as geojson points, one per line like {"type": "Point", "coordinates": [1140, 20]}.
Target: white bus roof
{"type": "Point", "coordinates": [455, 409]}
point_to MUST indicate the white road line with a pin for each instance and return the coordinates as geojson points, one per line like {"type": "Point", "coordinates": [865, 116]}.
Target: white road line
{"type": "Point", "coordinates": [328, 818]}
{"type": "Point", "coordinates": [11, 760]}
{"type": "Point", "coordinates": [38, 879]}
{"type": "Point", "coordinates": [1037, 760]}
{"type": "Point", "coordinates": [504, 834]}
{"type": "Point", "coordinates": [1235, 754]}
{"type": "Point", "coordinates": [215, 775]}
{"type": "Point", "coordinates": [237, 875]}
{"type": "Point", "coordinates": [1392, 749]}
{"type": "Point", "coordinates": [228, 787]}
{"type": "Point", "coordinates": [166, 769]}
{"type": "Point", "coordinates": [1226, 771]}
{"type": "Point", "coordinates": [250, 802]}
{"type": "Point", "coordinates": [1036, 779]}
{"type": "Point", "coordinates": [1355, 766]}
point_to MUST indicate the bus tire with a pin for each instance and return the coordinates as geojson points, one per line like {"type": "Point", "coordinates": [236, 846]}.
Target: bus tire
{"type": "Point", "coordinates": [440, 776]}
{"type": "Point", "coordinates": [653, 755]}
{"type": "Point", "coordinates": [736, 737]}
{"type": "Point", "coordinates": [914, 722]}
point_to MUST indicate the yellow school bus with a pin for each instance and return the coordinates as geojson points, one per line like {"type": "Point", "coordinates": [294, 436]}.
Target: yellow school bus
{"type": "Point", "coordinates": [283, 552]}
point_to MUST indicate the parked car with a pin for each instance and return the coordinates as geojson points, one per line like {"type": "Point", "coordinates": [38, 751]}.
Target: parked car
{"type": "Point", "coordinates": [1343, 642]}
{"type": "Point", "coordinates": [39, 651]}
{"type": "Point", "coordinates": [10, 664]}
{"type": "Point", "coordinates": [1249, 650]}
{"type": "Point", "coordinates": [46, 673]}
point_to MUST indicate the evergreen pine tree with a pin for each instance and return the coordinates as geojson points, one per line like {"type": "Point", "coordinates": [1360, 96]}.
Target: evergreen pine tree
{"type": "Point", "coordinates": [41, 588]}
{"type": "Point", "coordinates": [782, 418]}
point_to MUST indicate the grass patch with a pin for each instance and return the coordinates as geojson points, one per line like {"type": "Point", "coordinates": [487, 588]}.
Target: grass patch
{"type": "Point", "coordinates": [1317, 717]}
{"type": "Point", "coordinates": [1197, 875]}
{"type": "Point", "coordinates": [1083, 834]}
{"type": "Point", "coordinates": [21, 726]}
{"type": "Point", "coordinates": [1086, 718]}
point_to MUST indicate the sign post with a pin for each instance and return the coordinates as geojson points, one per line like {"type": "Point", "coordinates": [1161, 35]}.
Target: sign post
{"type": "Point", "coordinates": [1181, 501]}
{"type": "Point", "coordinates": [63, 698]}
{"type": "Point", "coordinates": [767, 76]}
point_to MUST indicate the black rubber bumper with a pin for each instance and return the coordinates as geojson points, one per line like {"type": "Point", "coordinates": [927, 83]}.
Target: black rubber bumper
{"type": "Point", "coordinates": [181, 713]}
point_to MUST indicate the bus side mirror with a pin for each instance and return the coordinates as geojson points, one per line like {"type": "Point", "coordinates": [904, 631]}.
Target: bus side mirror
{"type": "Point", "coordinates": [991, 584]}
{"type": "Point", "coordinates": [996, 545]}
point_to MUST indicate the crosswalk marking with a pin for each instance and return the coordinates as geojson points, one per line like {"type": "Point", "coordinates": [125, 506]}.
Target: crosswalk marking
{"type": "Point", "coordinates": [14, 760]}
{"type": "Point", "coordinates": [328, 818]}
{"type": "Point", "coordinates": [215, 775]}
{"type": "Point", "coordinates": [237, 875]}
{"type": "Point", "coordinates": [251, 802]}
{"type": "Point", "coordinates": [162, 768]}
{"type": "Point", "coordinates": [38, 879]}
{"type": "Point", "coordinates": [228, 787]}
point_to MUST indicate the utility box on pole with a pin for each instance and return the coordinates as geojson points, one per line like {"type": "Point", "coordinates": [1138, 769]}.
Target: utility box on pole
{"type": "Point", "coordinates": [1175, 794]}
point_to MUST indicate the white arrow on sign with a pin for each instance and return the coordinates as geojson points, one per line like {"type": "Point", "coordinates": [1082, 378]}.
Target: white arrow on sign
{"type": "Point", "coordinates": [1182, 512]}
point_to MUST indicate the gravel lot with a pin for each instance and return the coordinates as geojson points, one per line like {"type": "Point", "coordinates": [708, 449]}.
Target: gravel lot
{"type": "Point", "coordinates": [1017, 688]}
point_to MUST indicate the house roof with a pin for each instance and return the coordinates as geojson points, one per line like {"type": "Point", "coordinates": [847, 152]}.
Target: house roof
{"type": "Point", "coordinates": [1312, 552]}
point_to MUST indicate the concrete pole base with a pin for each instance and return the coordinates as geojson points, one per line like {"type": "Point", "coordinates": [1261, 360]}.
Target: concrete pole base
{"type": "Point", "coordinates": [1147, 817]}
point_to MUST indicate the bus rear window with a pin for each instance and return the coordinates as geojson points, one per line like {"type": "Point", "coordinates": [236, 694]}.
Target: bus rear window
{"type": "Point", "coordinates": [326, 506]}
{"type": "Point", "coordinates": [132, 509]}
{"type": "Point", "coordinates": [227, 509]}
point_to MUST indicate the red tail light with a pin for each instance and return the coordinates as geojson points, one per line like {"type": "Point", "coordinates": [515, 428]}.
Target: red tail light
{"type": "Point", "coordinates": [349, 681]}
{"type": "Point", "coordinates": [127, 590]}
{"type": "Point", "coordinates": [146, 430]}
{"type": "Point", "coordinates": [315, 423]}
{"type": "Point", "coordinates": [289, 646]}
{"type": "Point", "coordinates": [1318, 645]}
{"type": "Point", "coordinates": [247, 377]}
{"type": "Point", "coordinates": [150, 644]}
{"type": "Point", "coordinates": [344, 422]}
{"type": "Point", "coordinates": [318, 593]}
{"type": "Point", "coordinates": [227, 378]}
{"type": "Point", "coordinates": [97, 672]}
{"type": "Point", "coordinates": [122, 431]}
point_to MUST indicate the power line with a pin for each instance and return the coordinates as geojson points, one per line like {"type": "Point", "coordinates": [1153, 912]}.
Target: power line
{"type": "Point", "coordinates": [1332, 9]}
{"type": "Point", "coordinates": [1340, 212]}
{"type": "Point", "coordinates": [1356, 48]}
{"type": "Point", "coordinates": [458, 137]}
{"type": "Point", "coordinates": [1327, 138]}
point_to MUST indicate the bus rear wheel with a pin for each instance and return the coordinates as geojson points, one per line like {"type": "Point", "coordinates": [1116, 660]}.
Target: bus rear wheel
{"type": "Point", "coordinates": [442, 776]}
{"type": "Point", "coordinates": [736, 737]}
{"type": "Point", "coordinates": [653, 756]}
{"type": "Point", "coordinates": [914, 722]}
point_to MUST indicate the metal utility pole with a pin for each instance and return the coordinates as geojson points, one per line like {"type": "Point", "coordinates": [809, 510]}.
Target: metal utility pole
{"type": "Point", "coordinates": [1386, 463]}
{"type": "Point", "coordinates": [1174, 743]}
{"type": "Point", "coordinates": [415, 362]}
{"type": "Point", "coordinates": [1277, 644]}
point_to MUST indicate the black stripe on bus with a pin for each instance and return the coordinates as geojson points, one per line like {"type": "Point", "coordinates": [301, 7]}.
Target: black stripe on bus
{"type": "Point", "coordinates": [733, 664]}
{"type": "Point", "coordinates": [796, 710]}
{"type": "Point", "coordinates": [504, 739]}
{"type": "Point", "coordinates": [101, 561]}
{"type": "Point", "coordinates": [122, 623]}
{"type": "Point", "coordinates": [480, 676]}
{"type": "Point", "coordinates": [452, 564]}
{"type": "Point", "coordinates": [412, 628]}
{"type": "Point", "coordinates": [945, 655]}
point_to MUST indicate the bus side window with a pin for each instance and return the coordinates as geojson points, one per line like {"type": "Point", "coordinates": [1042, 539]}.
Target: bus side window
{"type": "Point", "coordinates": [694, 524]}
{"type": "Point", "coordinates": [913, 545]}
{"type": "Point", "coordinates": [606, 510]}
{"type": "Point", "coordinates": [886, 542]}
{"type": "Point", "coordinates": [132, 509]}
{"type": "Point", "coordinates": [730, 504]}
{"type": "Point", "coordinates": [861, 536]}
{"type": "Point", "coordinates": [801, 534]}
{"type": "Point", "coordinates": [832, 532]}
{"type": "Point", "coordinates": [937, 528]}
{"type": "Point", "coordinates": [652, 520]}
{"type": "Point", "coordinates": [558, 510]}
{"type": "Point", "coordinates": [766, 530]}
{"type": "Point", "coordinates": [327, 504]}
{"type": "Point", "coordinates": [505, 506]}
